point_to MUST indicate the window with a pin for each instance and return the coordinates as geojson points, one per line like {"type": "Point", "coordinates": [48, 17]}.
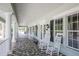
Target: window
{"type": "Point", "coordinates": [2, 28]}
{"type": "Point", "coordinates": [36, 30]}
{"type": "Point", "coordinates": [51, 30]}
{"type": "Point", "coordinates": [44, 30]}
{"type": "Point", "coordinates": [59, 27]}
{"type": "Point", "coordinates": [22, 29]}
{"type": "Point", "coordinates": [30, 30]}
{"type": "Point", "coordinates": [27, 29]}
{"type": "Point", "coordinates": [73, 30]}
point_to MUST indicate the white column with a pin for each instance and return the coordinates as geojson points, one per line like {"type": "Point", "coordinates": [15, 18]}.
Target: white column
{"type": "Point", "coordinates": [14, 32]}
{"type": "Point", "coordinates": [14, 28]}
{"type": "Point", "coordinates": [65, 41]}
{"type": "Point", "coordinates": [8, 28]}
{"type": "Point", "coordinates": [14, 36]}
{"type": "Point", "coordinates": [39, 32]}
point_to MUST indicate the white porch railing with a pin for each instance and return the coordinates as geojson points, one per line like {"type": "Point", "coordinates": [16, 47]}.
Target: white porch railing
{"type": "Point", "coordinates": [4, 47]}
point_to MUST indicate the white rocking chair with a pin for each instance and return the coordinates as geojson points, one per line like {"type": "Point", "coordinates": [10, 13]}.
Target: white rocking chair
{"type": "Point", "coordinates": [43, 46]}
{"type": "Point", "coordinates": [54, 50]}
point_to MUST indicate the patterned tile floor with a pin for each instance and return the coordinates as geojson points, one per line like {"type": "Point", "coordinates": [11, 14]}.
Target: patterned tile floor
{"type": "Point", "coordinates": [26, 47]}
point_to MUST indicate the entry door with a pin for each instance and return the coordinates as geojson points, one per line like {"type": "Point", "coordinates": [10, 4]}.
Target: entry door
{"type": "Point", "coordinates": [52, 30]}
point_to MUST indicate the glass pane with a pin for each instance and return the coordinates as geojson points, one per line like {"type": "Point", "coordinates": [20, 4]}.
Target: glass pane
{"type": "Point", "coordinates": [70, 27]}
{"type": "Point", "coordinates": [59, 21]}
{"type": "Point", "coordinates": [78, 26]}
{"type": "Point", "coordinates": [74, 17]}
{"type": "Point", "coordinates": [69, 19]}
{"type": "Point", "coordinates": [78, 36]}
{"type": "Point", "coordinates": [78, 39]}
{"type": "Point", "coordinates": [74, 26]}
{"type": "Point", "coordinates": [70, 39]}
{"type": "Point", "coordinates": [74, 35]}
{"type": "Point", "coordinates": [36, 30]}
{"type": "Point", "coordinates": [78, 44]}
{"type": "Point", "coordinates": [56, 22]}
{"type": "Point", "coordinates": [75, 43]}
{"type": "Point", "coordinates": [70, 42]}
{"type": "Point", "coordinates": [61, 27]}
{"type": "Point", "coordinates": [75, 39]}
{"type": "Point", "coordinates": [78, 16]}
{"type": "Point", "coordinates": [70, 35]}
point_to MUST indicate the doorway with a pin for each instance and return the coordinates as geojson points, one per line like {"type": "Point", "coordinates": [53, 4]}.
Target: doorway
{"type": "Point", "coordinates": [52, 30]}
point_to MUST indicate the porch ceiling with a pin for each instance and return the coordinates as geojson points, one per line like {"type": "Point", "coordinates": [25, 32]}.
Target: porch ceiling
{"type": "Point", "coordinates": [28, 13]}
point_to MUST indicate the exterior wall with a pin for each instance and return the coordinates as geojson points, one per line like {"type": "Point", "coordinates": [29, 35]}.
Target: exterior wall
{"type": "Point", "coordinates": [65, 49]}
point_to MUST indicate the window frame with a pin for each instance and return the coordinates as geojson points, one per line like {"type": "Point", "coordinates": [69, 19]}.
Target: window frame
{"type": "Point", "coordinates": [73, 30]}
{"type": "Point", "coordinates": [56, 25]}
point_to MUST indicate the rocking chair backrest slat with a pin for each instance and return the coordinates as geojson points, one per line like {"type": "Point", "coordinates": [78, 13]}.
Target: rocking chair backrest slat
{"type": "Point", "coordinates": [57, 42]}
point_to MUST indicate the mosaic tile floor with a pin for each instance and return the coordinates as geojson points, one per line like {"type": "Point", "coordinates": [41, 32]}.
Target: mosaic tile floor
{"type": "Point", "coordinates": [26, 47]}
